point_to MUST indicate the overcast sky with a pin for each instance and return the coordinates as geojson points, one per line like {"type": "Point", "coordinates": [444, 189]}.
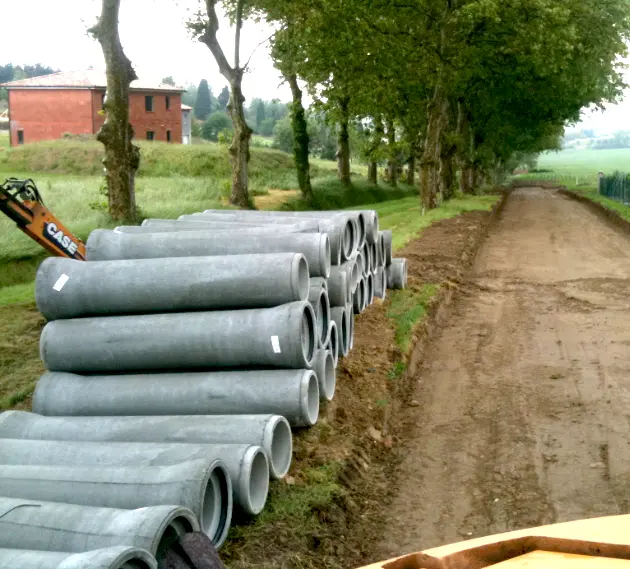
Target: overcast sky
{"type": "Point", "coordinates": [155, 39]}
{"type": "Point", "coordinates": [152, 33]}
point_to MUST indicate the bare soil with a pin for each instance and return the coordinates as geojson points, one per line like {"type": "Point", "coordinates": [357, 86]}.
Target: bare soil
{"type": "Point", "coordinates": [523, 395]}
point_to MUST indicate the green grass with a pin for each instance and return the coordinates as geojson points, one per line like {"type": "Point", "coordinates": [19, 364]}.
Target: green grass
{"type": "Point", "coordinates": [404, 217]}
{"type": "Point", "coordinates": [261, 141]}
{"type": "Point", "coordinates": [407, 309]}
{"type": "Point", "coordinates": [17, 294]}
{"type": "Point", "coordinates": [4, 139]}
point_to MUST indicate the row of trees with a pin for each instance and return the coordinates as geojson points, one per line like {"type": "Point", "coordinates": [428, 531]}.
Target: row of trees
{"type": "Point", "coordinates": [458, 87]}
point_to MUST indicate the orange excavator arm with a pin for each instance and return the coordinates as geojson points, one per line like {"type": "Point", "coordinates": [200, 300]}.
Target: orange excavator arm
{"type": "Point", "coordinates": [21, 201]}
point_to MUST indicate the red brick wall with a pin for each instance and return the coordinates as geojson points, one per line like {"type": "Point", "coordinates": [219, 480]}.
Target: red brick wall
{"type": "Point", "coordinates": [159, 120]}
{"type": "Point", "coordinates": [46, 114]}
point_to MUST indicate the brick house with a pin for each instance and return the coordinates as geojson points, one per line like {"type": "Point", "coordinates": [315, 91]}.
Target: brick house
{"type": "Point", "coordinates": [47, 107]}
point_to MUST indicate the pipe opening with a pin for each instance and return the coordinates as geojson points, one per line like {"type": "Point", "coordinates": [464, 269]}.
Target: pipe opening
{"type": "Point", "coordinates": [325, 255]}
{"type": "Point", "coordinates": [300, 278]}
{"type": "Point", "coordinates": [354, 278]}
{"type": "Point", "coordinates": [258, 482]}
{"type": "Point", "coordinates": [281, 449]}
{"type": "Point", "coordinates": [174, 530]}
{"type": "Point", "coordinates": [323, 313]}
{"type": "Point", "coordinates": [310, 401]}
{"type": "Point", "coordinates": [215, 510]}
{"type": "Point", "coordinates": [370, 290]}
{"type": "Point", "coordinates": [330, 377]}
{"type": "Point", "coordinates": [361, 229]}
{"type": "Point", "coordinates": [308, 334]}
{"type": "Point", "coordinates": [348, 239]}
{"type": "Point", "coordinates": [333, 342]}
{"type": "Point", "coordinates": [135, 564]}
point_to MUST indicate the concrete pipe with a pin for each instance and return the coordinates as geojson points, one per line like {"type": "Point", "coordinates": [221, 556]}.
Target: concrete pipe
{"type": "Point", "coordinates": [121, 557]}
{"type": "Point", "coordinates": [358, 298]}
{"type": "Point", "coordinates": [319, 281]}
{"type": "Point", "coordinates": [324, 368]}
{"type": "Point", "coordinates": [340, 231]}
{"type": "Point", "coordinates": [281, 337]}
{"type": "Point", "coordinates": [375, 257]}
{"type": "Point", "coordinates": [397, 274]}
{"type": "Point", "coordinates": [106, 245]}
{"type": "Point", "coordinates": [387, 246]}
{"type": "Point", "coordinates": [382, 253]}
{"type": "Point", "coordinates": [359, 260]}
{"type": "Point", "coordinates": [246, 464]}
{"type": "Point", "coordinates": [367, 256]}
{"type": "Point", "coordinates": [366, 292]}
{"type": "Point", "coordinates": [271, 432]}
{"type": "Point", "coordinates": [380, 283]}
{"type": "Point", "coordinates": [318, 297]}
{"type": "Point", "coordinates": [333, 343]}
{"type": "Point", "coordinates": [294, 394]}
{"type": "Point", "coordinates": [65, 288]}
{"type": "Point", "coordinates": [195, 485]}
{"type": "Point", "coordinates": [338, 286]}
{"type": "Point", "coordinates": [52, 526]}
{"type": "Point", "coordinates": [340, 226]}
{"type": "Point", "coordinates": [369, 284]}
{"type": "Point", "coordinates": [350, 313]}
{"type": "Point", "coordinates": [339, 314]}
{"type": "Point", "coordinates": [371, 225]}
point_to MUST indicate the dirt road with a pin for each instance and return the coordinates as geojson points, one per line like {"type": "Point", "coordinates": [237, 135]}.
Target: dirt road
{"type": "Point", "coordinates": [524, 415]}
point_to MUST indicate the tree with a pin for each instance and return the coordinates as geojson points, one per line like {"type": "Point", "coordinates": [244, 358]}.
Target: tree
{"type": "Point", "coordinates": [283, 135]}
{"type": "Point", "coordinates": [169, 81]}
{"type": "Point", "coordinates": [260, 113]}
{"type": "Point", "coordinates": [267, 126]}
{"type": "Point", "coordinates": [203, 103]}
{"type": "Point", "coordinates": [224, 98]}
{"type": "Point", "coordinates": [190, 96]}
{"type": "Point", "coordinates": [205, 27]}
{"type": "Point", "coordinates": [122, 158]}
{"type": "Point", "coordinates": [216, 123]}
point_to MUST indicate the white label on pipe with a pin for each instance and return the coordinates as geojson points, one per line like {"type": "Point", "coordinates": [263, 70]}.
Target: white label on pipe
{"type": "Point", "coordinates": [61, 281]}
{"type": "Point", "coordinates": [275, 344]}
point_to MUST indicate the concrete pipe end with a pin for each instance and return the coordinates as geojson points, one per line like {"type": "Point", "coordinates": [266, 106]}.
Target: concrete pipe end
{"type": "Point", "coordinates": [117, 557]}
{"type": "Point", "coordinates": [325, 255]}
{"type": "Point", "coordinates": [299, 277]}
{"type": "Point", "coordinates": [277, 438]}
{"type": "Point", "coordinates": [354, 278]}
{"type": "Point", "coordinates": [254, 481]}
{"type": "Point", "coordinates": [361, 229]}
{"type": "Point", "coordinates": [333, 342]}
{"type": "Point", "coordinates": [349, 239]}
{"type": "Point", "coordinates": [370, 290]}
{"type": "Point", "coordinates": [216, 507]}
{"type": "Point", "coordinates": [330, 376]}
{"type": "Point", "coordinates": [323, 313]}
{"type": "Point", "coordinates": [372, 223]}
{"type": "Point", "coordinates": [308, 334]}
{"type": "Point", "coordinates": [178, 522]}
{"type": "Point", "coordinates": [309, 399]}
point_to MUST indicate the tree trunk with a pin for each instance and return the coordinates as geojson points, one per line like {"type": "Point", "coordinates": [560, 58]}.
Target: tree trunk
{"type": "Point", "coordinates": [343, 143]}
{"type": "Point", "coordinates": [447, 175]}
{"type": "Point", "coordinates": [239, 149]}
{"type": "Point", "coordinates": [392, 162]}
{"type": "Point", "coordinates": [300, 140]}
{"type": "Point", "coordinates": [430, 158]}
{"type": "Point", "coordinates": [377, 140]}
{"type": "Point", "coordinates": [411, 172]}
{"type": "Point", "coordinates": [122, 158]}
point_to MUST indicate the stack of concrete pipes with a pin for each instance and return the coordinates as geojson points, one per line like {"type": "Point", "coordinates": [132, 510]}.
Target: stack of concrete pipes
{"type": "Point", "coordinates": [179, 358]}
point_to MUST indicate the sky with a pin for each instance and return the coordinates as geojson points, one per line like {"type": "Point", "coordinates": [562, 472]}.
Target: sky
{"type": "Point", "coordinates": [153, 35]}
{"type": "Point", "coordinates": [155, 39]}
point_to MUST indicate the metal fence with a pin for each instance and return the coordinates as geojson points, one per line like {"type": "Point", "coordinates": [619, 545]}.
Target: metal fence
{"type": "Point", "coordinates": [615, 187]}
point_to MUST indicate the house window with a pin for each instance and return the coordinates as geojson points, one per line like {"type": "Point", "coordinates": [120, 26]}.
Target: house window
{"type": "Point", "coordinates": [150, 135]}
{"type": "Point", "coordinates": [168, 136]}
{"type": "Point", "coordinates": [148, 103]}
{"type": "Point", "coordinates": [168, 102]}
{"type": "Point", "coordinates": [20, 135]}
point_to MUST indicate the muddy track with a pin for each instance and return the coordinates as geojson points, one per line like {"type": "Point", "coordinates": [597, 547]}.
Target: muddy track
{"type": "Point", "coordinates": [524, 395]}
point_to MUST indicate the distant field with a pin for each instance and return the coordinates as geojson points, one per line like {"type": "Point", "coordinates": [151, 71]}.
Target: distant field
{"type": "Point", "coordinates": [582, 166]}
{"type": "Point", "coordinates": [4, 139]}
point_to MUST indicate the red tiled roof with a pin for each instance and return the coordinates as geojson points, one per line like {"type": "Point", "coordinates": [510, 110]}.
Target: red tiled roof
{"type": "Point", "coordinates": [85, 79]}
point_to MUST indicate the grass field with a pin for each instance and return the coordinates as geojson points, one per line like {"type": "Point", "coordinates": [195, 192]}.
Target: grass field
{"type": "Point", "coordinates": [4, 139]}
